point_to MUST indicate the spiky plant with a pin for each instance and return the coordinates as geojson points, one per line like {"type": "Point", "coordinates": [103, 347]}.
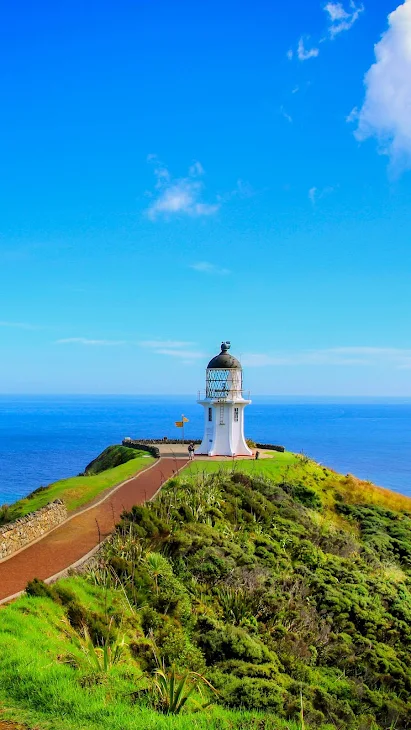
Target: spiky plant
{"type": "Point", "coordinates": [157, 566]}
{"type": "Point", "coordinates": [172, 690]}
{"type": "Point", "coordinates": [101, 658]}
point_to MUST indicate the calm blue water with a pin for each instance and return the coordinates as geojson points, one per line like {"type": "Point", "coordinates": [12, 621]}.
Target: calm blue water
{"type": "Point", "coordinates": [44, 438]}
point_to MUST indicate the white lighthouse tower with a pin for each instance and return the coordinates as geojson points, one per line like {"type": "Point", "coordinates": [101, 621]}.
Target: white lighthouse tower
{"type": "Point", "coordinates": [224, 405]}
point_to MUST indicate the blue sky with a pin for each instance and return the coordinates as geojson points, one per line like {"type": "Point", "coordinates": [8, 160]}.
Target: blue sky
{"type": "Point", "coordinates": [175, 174]}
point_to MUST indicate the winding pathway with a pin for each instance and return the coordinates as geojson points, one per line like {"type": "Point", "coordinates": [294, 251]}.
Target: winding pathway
{"type": "Point", "coordinates": [76, 538]}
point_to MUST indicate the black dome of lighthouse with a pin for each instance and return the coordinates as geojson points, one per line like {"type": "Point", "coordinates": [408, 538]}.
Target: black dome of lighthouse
{"type": "Point", "coordinates": [224, 360]}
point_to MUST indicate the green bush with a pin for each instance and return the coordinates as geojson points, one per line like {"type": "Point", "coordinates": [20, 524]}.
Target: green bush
{"type": "Point", "coordinates": [220, 642]}
{"type": "Point", "coordinates": [37, 588]}
{"type": "Point", "coordinates": [248, 693]}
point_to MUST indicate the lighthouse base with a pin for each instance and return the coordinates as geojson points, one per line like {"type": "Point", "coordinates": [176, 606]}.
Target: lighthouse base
{"type": "Point", "coordinates": [223, 428]}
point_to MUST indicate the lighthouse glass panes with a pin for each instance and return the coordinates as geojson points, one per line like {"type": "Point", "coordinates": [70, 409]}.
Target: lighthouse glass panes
{"type": "Point", "coordinates": [222, 383]}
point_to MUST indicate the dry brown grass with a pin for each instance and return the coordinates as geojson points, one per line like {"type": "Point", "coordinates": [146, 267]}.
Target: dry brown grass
{"type": "Point", "coordinates": [356, 491]}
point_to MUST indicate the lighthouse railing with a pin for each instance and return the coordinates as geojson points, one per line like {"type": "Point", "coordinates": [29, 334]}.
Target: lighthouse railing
{"type": "Point", "coordinates": [224, 395]}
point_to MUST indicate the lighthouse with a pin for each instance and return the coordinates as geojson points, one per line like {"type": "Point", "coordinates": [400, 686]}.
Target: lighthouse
{"type": "Point", "coordinates": [224, 404]}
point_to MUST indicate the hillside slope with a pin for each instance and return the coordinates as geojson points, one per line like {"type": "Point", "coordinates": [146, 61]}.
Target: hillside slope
{"type": "Point", "coordinates": [113, 466]}
{"type": "Point", "coordinates": [284, 584]}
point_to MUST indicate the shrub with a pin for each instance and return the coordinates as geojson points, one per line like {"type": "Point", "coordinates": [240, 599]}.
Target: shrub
{"type": "Point", "coordinates": [37, 588]}
{"type": "Point", "coordinates": [305, 495]}
{"type": "Point", "coordinates": [246, 669]}
{"type": "Point", "coordinates": [177, 648]}
{"type": "Point", "coordinates": [248, 693]}
{"type": "Point", "coordinates": [221, 642]}
{"type": "Point", "coordinates": [240, 478]}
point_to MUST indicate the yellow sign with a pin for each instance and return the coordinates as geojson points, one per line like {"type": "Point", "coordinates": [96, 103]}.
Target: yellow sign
{"type": "Point", "coordinates": [179, 424]}
{"type": "Point", "coordinates": [185, 420]}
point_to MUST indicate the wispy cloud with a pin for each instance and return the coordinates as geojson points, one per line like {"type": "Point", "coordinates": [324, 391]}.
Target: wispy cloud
{"type": "Point", "coordinates": [155, 344]}
{"type": "Point", "coordinates": [312, 193]}
{"type": "Point", "coordinates": [386, 110]}
{"type": "Point", "coordinates": [303, 53]}
{"type": "Point", "coordinates": [184, 354]}
{"type": "Point", "coordinates": [205, 267]}
{"type": "Point", "coordinates": [286, 115]}
{"type": "Point", "coordinates": [243, 189]}
{"type": "Point", "coordinates": [396, 358]}
{"type": "Point", "coordinates": [179, 196]}
{"type": "Point", "coordinates": [173, 348]}
{"type": "Point", "coordinates": [352, 116]}
{"type": "Point", "coordinates": [315, 194]}
{"type": "Point", "coordinates": [86, 341]}
{"type": "Point", "coordinates": [340, 19]}
{"type": "Point", "coordinates": [20, 325]}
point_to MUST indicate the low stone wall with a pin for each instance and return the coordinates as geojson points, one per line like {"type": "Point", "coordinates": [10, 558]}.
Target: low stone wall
{"type": "Point", "coordinates": [18, 534]}
{"type": "Point", "coordinates": [270, 447]}
{"type": "Point", "coordinates": [142, 446]}
{"type": "Point", "coordinates": [163, 441]}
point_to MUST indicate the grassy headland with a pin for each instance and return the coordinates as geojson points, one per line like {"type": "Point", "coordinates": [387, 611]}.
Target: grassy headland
{"type": "Point", "coordinates": [283, 584]}
{"type": "Point", "coordinates": [113, 466]}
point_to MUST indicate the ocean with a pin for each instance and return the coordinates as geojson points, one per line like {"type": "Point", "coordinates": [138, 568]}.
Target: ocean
{"type": "Point", "coordinates": [45, 438]}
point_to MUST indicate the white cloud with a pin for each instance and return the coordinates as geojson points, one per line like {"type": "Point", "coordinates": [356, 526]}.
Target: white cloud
{"type": "Point", "coordinates": [155, 344]}
{"type": "Point", "coordinates": [173, 348]}
{"type": "Point", "coordinates": [86, 341]}
{"type": "Point", "coordinates": [205, 267]}
{"type": "Point", "coordinates": [386, 110]}
{"type": "Point", "coordinates": [19, 325]}
{"type": "Point", "coordinates": [179, 196]}
{"type": "Point", "coordinates": [243, 189]}
{"type": "Point", "coordinates": [315, 194]}
{"type": "Point", "coordinates": [285, 114]}
{"type": "Point", "coordinates": [303, 53]}
{"type": "Point", "coordinates": [341, 19]}
{"type": "Point", "coordinates": [196, 169]}
{"type": "Point", "coordinates": [312, 194]}
{"type": "Point", "coordinates": [185, 354]}
{"type": "Point", "coordinates": [352, 116]}
{"type": "Point", "coordinates": [396, 358]}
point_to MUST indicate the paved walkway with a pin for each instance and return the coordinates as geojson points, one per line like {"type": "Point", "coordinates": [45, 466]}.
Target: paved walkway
{"type": "Point", "coordinates": [180, 450]}
{"type": "Point", "coordinates": [74, 539]}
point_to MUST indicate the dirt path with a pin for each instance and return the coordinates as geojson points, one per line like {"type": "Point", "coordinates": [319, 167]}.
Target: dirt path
{"type": "Point", "coordinates": [75, 538]}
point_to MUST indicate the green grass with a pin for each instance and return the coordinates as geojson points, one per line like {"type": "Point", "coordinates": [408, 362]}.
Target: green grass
{"type": "Point", "coordinates": [272, 467]}
{"type": "Point", "coordinates": [296, 467]}
{"type": "Point", "coordinates": [77, 491]}
{"type": "Point", "coordinates": [40, 685]}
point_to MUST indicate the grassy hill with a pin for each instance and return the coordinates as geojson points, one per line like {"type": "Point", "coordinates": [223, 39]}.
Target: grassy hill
{"type": "Point", "coordinates": [114, 465]}
{"type": "Point", "coordinates": [283, 584]}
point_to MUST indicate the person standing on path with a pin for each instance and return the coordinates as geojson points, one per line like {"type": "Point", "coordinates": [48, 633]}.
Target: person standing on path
{"type": "Point", "coordinates": [191, 451]}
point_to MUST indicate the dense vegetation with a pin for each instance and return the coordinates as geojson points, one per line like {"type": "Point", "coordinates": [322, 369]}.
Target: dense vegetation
{"type": "Point", "coordinates": [284, 585]}
{"type": "Point", "coordinates": [111, 457]}
{"type": "Point", "coordinates": [112, 467]}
